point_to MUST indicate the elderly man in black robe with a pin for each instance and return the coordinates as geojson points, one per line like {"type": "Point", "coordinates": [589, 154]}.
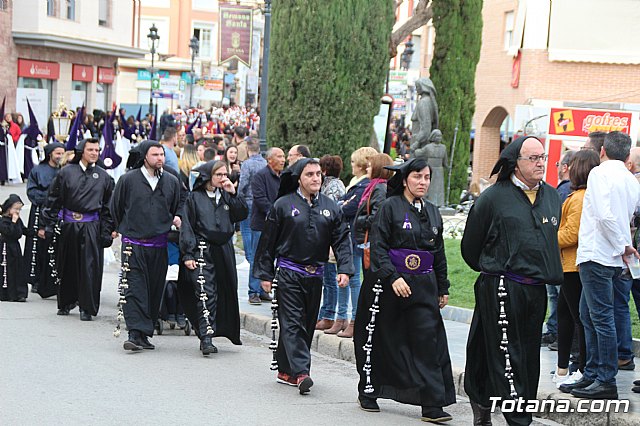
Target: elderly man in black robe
{"type": "Point", "coordinates": [300, 228]}
{"type": "Point", "coordinates": [208, 267]}
{"type": "Point", "coordinates": [79, 198]}
{"type": "Point", "coordinates": [511, 239]}
{"type": "Point", "coordinates": [145, 205]}
{"type": "Point", "coordinates": [36, 250]}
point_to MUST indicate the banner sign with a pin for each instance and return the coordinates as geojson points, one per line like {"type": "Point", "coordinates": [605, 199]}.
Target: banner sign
{"type": "Point", "coordinates": [146, 75]}
{"type": "Point", "coordinates": [82, 73]}
{"type": "Point", "coordinates": [235, 34]}
{"type": "Point", "coordinates": [38, 69]}
{"type": "Point", "coordinates": [106, 75]}
{"type": "Point", "coordinates": [581, 122]}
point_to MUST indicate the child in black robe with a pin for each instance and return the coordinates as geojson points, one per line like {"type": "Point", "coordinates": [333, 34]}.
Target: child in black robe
{"type": "Point", "coordinates": [12, 272]}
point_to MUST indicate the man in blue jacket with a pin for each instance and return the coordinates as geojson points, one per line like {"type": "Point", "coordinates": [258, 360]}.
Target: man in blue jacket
{"type": "Point", "coordinates": [264, 187]}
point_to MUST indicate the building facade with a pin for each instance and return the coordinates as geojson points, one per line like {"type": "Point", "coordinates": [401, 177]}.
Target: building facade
{"type": "Point", "coordinates": [538, 55]}
{"type": "Point", "coordinates": [177, 21]}
{"type": "Point", "coordinates": [57, 50]}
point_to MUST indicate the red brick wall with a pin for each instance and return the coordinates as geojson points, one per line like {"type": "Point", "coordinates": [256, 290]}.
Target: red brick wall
{"type": "Point", "coordinates": [8, 65]}
{"type": "Point", "coordinates": [539, 79]}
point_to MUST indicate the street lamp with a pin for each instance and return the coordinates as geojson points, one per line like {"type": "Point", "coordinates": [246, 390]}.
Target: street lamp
{"type": "Point", "coordinates": [405, 58]}
{"type": "Point", "coordinates": [153, 38]}
{"type": "Point", "coordinates": [194, 44]}
{"type": "Point", "coordinates": [264, 83]}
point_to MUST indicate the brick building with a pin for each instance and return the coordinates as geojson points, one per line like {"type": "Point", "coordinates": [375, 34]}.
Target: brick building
{"type": "Point", "coordinates": [542, 54]}
{"type": "Point", "coordinates": [62, 50]}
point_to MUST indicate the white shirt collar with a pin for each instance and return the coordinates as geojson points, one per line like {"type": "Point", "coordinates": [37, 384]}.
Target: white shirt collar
{"type": "Point", "coordinates": [520, 184]}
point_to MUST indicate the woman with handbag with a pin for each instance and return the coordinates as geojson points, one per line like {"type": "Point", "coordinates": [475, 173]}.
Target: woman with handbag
{"type": "Point", "coordinates": [374, 194]}
{"type": "Point", "coordinates": [400, 339]}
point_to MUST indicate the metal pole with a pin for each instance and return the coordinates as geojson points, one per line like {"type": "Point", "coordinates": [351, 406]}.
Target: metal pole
{"type": "Point", "coordinates": [153, 51]}
{"type": "Point", "coordinates": [264, 90]}
{"type": "Point", "coordinates": [453, 150]}
{"type": "Point", "coordinates": [193, 57]}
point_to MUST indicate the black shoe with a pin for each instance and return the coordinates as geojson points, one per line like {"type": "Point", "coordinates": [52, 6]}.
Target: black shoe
{"type": "Point", "coordinates": [368, 404]}
{"type": "Point", "coordinates": [85, 316]}
{"type": "Point", "coordinates": [181, 321]}
{"type": "Point", "coordinates": [63, 311]}
{"type": "Point", "coordinates": [207, 347]}
{"type": "Point", "coordinates": [553, 346]}
{"type": "Point", "coordinates": [435, 415]}
{"type": "Point", "coordinates": [636, 382]}
{"type": "Point", "coordinates": [548, 338]}
{"type": "Point", "coordinates": [134, 343]}
{"type": "Point", "coordinates": [21, 299]}
{"type": "Point", "coordinates": [34, 289]}
{"type": "Point", "coordinates": [597, 391]}
{"type": "Point", "coordinates": [254, 299]}
{"type": "Point", "coordinates": [145, 343]}
{"type": "Point", "coordinates": [582, 383]}
{"type": "Point", "coordinates": [265, 297]}
{"type": "Point", "coordinates": [481, 415]}
{"type": "Point", "coordinates": [635, 389]}
{"type": "Point", "coordinates": [629, 365]}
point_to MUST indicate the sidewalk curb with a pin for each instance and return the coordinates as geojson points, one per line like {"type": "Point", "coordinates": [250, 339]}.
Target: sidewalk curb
{"type": "Point", "coordinates": [342, 349]}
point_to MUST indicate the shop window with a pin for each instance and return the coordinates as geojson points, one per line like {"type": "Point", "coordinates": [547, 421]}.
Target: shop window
{"type": "Point", "coordinates": [104, 13]}
{"type": "Point", "coordinates": [205, 35]}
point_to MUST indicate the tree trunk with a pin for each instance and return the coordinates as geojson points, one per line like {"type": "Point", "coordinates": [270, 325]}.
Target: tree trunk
{"type": "Point", "coordinates": [421, 17]}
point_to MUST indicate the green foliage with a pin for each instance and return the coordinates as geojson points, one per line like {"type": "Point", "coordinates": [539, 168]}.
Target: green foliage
{"type": "Point", "coordinates": [458, 27]}
{"type": "Point", "coordinates": [326, 74]}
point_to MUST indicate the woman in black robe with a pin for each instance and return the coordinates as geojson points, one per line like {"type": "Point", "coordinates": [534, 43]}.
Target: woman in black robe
{"type": "Point", "coordinates": [401, 349]}
{"type": "Point", "coordinates": [13, 284]}
{"type": "Point", "coordinates": [208, 281]}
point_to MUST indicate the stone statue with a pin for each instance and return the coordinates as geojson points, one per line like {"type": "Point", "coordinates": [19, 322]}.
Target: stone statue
{"type": "Point", "coordinates": [425, 116]}
{"type": "Point", "coordinates": [435, 153]}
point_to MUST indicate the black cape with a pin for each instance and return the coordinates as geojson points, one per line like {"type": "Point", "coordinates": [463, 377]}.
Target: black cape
{"type": "Point", "coordinates": [14, 275]}
{"type": "Point", "coordinates": [38, 184]}
{"type": "Point", "coordinates": [204, 220]}
{"type": "Point", "coordinates": [80, 254]}
{"type": "Point", "coordinates": [410, 357]}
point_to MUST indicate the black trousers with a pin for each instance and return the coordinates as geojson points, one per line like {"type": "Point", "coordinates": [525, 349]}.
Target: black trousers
{"type": "Point", "coordinates": [569, 320]}
{"type": "Point", "coordinates": [80, 260]}
{"type": "Point", "coordinates": [298, 305]}
{"type": "Point", "coordinates": [525, 308]}
{"type": "Point", "coordinates": [146, 281]}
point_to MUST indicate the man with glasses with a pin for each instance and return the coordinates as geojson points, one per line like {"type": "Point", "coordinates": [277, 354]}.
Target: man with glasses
{"type": "Point", "coordinates": [511, 238]}
{"type": "Point", "coordinates": [296, 153]}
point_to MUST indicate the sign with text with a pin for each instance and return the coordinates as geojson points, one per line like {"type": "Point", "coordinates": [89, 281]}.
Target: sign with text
{"type": "Point", "coordinates": [235, 34]}
{"type": "Point", "coordinates": [146, 75]}
{"type": "Point", "coordinates": [106, 75]}
{"type": "Point", "coordinates": [38, 69]}
{"type": "Point", "coordinates": [581, 122]}
{"type": "Point", "coordinates": [82, 73]}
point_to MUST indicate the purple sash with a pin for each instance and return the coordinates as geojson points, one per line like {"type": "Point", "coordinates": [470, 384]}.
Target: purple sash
{"type": "Point", "coordinates": [517, 278]}
{"type": "Point", "coordinates": [308, 270]}
{"type": "Point", "coordinates": [156, 242]}
{"type": "Point", "coordinates": [414, 262]}
{"type": "Point", "coordinates": [70, 216]}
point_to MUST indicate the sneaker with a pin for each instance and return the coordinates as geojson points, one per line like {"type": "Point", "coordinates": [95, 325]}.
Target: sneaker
{"type": "Point", "coordinates": [286, 379]}
{"type": "Point", "coordinates": [304, 383]}
{"type": "Point", "coordinates": [557, 378]}
{"type": "Point", "coordinates": [572, 379]}
{"type": "Point", "coordinates": [254, 299]}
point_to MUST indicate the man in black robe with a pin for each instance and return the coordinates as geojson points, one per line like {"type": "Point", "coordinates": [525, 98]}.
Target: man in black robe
{"type": "Point", "coordinates": [4, 128]}
{"type": "Point", "coordinates": [511, 239]}
{"type": "Point", "coordinates": [145, 204]}
{"type": "Point", "coordinates": [300, 228]}
{"type": "Point", "coordinates": [36, 248]}
{"type": "Point", "coordinates": [79, 196]}
{"type": "Point", "coordinates": [210, 215]}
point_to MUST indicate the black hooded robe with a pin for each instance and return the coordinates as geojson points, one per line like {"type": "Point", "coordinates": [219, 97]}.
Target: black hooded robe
{"type": "Point", "coordinates": [505, 232]}
{"type": "Point", "coordinates": [142, 213]}
{"type": "Point", "coordinates": [410, 358]}
{"type": "Point", "coordinates": [204, 220]}
{"type": "Point", "coordinates": [80, 250]}
{"type": "Point", "coordinates": [38, 185]}
{"type": "Point", "coordinates": [12, 274]}
{"type": "Point", "coordinates": [302, 233]}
